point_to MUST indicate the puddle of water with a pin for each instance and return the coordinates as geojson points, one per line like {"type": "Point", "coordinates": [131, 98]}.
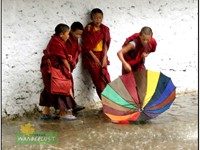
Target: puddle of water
{"type": "Point", "coordinates": [177, 128]}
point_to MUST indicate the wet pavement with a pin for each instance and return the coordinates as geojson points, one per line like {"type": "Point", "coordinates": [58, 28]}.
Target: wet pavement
{"type": "Point", "coordinates": [175, 129]}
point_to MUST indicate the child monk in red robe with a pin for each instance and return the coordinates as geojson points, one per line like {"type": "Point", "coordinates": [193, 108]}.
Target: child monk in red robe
{"type": "Point", "coordinates": [96, 41]}
{"type": "Point", "coordinates": [55, 53]}
{"type": "Point", "coordinates": [73, 47]}
{"type": "Point", "coordinates": [73, 51]}
{"type": "Point", "coordinates": [135, 49]}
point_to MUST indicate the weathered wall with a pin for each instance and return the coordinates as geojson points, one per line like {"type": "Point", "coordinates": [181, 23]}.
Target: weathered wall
{"type": "Point", "coordinates": [28, 24]}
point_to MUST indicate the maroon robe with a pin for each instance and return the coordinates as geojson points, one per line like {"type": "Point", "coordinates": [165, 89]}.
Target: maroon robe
{"type": "Point", "coordinates": [90, 39]}
{"type": "Point", "coordinates": [55, 52]}
{"type": "Point", "coordinates": [133, 57]}
{"type": "Point", "coordinates": [73, 49]}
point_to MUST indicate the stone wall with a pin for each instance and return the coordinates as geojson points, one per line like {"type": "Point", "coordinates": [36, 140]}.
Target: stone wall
{"type": "Point", "coordinates": [28, 24]}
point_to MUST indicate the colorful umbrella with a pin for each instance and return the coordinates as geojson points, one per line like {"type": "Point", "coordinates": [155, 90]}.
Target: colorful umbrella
{"type": "Point", "coordinates": [138, 96]}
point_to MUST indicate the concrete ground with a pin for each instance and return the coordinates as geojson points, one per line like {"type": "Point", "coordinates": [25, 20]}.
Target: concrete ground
{"type": "Point", "coordinates": [175, 129]}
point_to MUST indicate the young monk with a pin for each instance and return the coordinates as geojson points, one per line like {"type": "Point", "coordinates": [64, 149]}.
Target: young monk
{"type": "Point", "coordinates": [135, 49]}
{"type": "Point", "coordinates": [73, 47]}
{"type": "Point", "coordinates": [73, 51]}
{"type": "Point", "coordinates": [55, 53]}
{"type": "Point", "coordinates": [96, 41]}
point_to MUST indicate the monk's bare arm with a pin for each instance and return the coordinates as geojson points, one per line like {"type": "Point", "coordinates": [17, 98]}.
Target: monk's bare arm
{"type": "Point", "coordinates": [104, 61]}
{"type": "Point", "coordinates": [95, 58]}
{"type": "Point", "coordinates": [121, 53]}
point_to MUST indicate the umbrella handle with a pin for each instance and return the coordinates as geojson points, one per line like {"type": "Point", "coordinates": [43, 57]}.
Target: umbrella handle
{"type": "Point", "coordinates": [140, 109]}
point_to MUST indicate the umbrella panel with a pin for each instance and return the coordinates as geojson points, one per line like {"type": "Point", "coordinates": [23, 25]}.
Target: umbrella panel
{"type": "Point", "coordinates": [121, 90]}
{"type": "Point", "coordinates": [156, 93]}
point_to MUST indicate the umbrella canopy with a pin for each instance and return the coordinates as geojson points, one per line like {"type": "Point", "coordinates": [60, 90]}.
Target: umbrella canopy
{"type": "Point", "coordinates": [138, 96]}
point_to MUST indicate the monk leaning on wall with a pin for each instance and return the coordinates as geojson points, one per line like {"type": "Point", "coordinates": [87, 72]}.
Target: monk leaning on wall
{"type": "Point", "coordinates": [96, 41]}
{"type": "Point", "coordinates": [58, 54]}
{"type": "Point", "coordinates": [73, 52]}
{"type": "Point", "coordinates": [135, 49]}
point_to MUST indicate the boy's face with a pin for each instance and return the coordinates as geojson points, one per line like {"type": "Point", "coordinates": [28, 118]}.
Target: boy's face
{"type": "Point", "coordinates": [97, 19]}
{"type": "Point", "coordinates": [77, 34]}
{"type": "Point", "coordinates": [145, 39]}
{"type": "Point", "coordinates": [65, 36]}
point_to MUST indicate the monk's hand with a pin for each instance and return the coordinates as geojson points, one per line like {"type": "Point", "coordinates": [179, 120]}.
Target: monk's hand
{"type": "Point", "coordinates": [127, 67]}
{"type": "Point", "coordinates": [98, 63]}
{"type": "Point", "coordinates": [144, 54]}
{"type": "Point", "coordinates": [70, 57]}
{"type": "Point", "coordinates": [104, 62]}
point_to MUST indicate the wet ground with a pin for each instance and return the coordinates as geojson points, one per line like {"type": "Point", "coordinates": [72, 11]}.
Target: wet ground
{"type": "Point", "coordinates": [175, 129]}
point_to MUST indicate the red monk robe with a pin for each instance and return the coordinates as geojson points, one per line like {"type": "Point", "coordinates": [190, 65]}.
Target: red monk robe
{"type": "Point", "coordinates": [73, 49]}
{"type": "Point", "coordinates": [55, 52]}
{"type": "Point", "coordinates": [133, 56]}
{"type": "Point", "coordinates": [90, 39]}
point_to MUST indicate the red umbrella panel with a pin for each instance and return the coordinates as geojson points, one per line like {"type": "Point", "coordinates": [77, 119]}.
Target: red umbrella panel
{"type": "Point", "coordinates": [138, 96]}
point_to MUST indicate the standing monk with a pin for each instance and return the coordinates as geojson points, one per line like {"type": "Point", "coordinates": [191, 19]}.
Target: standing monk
{"type": "Point", "coordinates": [73, 47]}
{"type": "Point", "coordinates": [135, 49]}
{"type": "Point", "coordinates": [73, 51]}
{"type": "Point", "coordinates": [96, 41]}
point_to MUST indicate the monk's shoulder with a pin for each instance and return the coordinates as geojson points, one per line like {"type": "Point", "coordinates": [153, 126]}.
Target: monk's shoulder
{"type": "Point", "coordinates": [106, 27]}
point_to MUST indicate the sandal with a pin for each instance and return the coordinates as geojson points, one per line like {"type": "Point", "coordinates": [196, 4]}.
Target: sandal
{"type": "Point", "coordinates": [47, 116]}
{"type": "Point", "coordinates": [68, 117]}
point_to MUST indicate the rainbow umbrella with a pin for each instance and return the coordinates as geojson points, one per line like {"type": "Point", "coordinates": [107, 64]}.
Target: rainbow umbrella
{"type": "Point", "coordinates": [138, 96]}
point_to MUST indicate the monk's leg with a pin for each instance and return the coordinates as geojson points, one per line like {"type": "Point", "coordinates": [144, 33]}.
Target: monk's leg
{"type": "Point", "coordinates": [96, 78]}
